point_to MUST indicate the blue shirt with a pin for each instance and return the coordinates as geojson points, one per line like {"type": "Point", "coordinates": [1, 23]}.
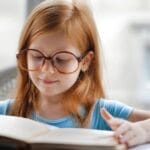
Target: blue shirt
{"type": "Point", "coordinates": [116, 108]}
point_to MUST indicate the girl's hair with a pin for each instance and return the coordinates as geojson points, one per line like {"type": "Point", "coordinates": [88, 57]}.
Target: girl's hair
{"type": "Point", "coordinates": [76, 20]}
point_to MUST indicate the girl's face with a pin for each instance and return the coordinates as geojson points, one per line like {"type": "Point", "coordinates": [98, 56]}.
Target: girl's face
{"type": "Point", "coordinates": [48, 80]}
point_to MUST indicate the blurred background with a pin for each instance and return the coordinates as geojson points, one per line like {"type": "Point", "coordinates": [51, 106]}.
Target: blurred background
{"type": "Point", "coordinates": [124, 28]}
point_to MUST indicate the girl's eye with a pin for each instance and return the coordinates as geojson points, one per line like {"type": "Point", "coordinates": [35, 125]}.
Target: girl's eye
{"type": "Point", "coordinates": [60, 60]}
{"type": "Point", "coordinates": [37, 57]}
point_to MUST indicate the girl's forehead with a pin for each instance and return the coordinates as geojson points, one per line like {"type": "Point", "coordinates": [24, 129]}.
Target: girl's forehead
{"type": "Point", "coordinates": [53, 42]}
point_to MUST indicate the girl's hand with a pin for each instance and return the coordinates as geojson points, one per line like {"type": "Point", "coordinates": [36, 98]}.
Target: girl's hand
{"type": "Point", "coordinates": [127, 132]}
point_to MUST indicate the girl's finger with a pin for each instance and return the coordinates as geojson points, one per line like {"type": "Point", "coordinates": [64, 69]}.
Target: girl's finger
{"type": "Point", "coordinates": [105, 114]}
{"type": "Point", "coordinates": [111, 121]}
{"type": "Point", "coordinates": [108, 118]}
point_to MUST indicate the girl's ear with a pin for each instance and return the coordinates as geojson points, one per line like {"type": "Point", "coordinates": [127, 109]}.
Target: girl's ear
{"type": "Point", "coordinates": [87, 61]}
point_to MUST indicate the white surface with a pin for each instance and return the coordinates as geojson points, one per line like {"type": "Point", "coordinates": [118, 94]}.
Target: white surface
{"type": "Point", "coordinates": [77, 136]}
{"type": "Point", "coordinates": [141, 147]}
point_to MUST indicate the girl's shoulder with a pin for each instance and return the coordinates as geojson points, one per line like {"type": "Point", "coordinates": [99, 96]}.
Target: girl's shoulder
{"type": "Point", "coordinates": [5, 106]}
{"type": "Point", "coordinates": [116, 108]}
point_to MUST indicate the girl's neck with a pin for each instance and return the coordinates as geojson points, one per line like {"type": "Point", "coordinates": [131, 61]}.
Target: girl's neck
{"type": "Point", "coordinates": [50, 100]}
{"type": "Point", "coordinates": [50, 107]}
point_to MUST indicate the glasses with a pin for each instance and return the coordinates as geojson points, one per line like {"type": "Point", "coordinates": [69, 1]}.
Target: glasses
{"type": "Point", "coordinates": [64, 61]}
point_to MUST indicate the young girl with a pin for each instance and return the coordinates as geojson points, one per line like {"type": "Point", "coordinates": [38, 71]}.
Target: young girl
{"type": "Point", "coordinates": [59, 80]}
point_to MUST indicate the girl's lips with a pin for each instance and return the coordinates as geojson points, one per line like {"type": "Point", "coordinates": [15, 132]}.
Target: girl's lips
{"type": "Point", "coordinates": [49, 81]}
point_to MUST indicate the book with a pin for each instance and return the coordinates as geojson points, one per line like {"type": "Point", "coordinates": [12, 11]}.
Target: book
{"type": "Point", "coordinates": [18, 133]}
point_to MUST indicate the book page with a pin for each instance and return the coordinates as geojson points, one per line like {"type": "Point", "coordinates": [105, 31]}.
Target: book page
{"type": "Point", "coordinates": [77, 136]}
{"type": "Point", "coordinates": [21, 128]}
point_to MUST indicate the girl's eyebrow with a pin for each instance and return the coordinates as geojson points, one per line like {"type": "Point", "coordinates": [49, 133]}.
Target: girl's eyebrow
{"type": "Point", "coordinates": [40, 50]}
{"type": "Point", "coordinates": [52, 51]}
{"type": "Point", "coordinates": [58, 50]}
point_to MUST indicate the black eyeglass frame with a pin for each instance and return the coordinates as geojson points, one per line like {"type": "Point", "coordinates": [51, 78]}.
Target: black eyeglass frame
{"type": "Point", "coordinates": [50, 58]}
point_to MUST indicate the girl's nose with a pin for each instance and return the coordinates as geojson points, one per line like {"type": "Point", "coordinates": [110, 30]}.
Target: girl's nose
{"type": "Point", "coordinates": [48, 66]}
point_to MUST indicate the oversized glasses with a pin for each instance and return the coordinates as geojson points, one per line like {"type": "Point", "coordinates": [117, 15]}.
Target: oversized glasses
{"type": "Point", "coordinates": [64, 61]}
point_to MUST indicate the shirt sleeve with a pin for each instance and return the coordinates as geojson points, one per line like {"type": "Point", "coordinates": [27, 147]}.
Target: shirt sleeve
{"type": "Point", "coordinates": [4, 107]}
{"type": "Point", "coordinates": [115, 108]}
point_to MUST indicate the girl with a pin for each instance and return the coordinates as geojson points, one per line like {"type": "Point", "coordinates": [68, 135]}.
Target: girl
{"type": "Point", "coordinates": [59, 80]}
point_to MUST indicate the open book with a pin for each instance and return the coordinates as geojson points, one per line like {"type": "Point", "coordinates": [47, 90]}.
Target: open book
{"type": "Point", "coordinates": [26, 134]}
